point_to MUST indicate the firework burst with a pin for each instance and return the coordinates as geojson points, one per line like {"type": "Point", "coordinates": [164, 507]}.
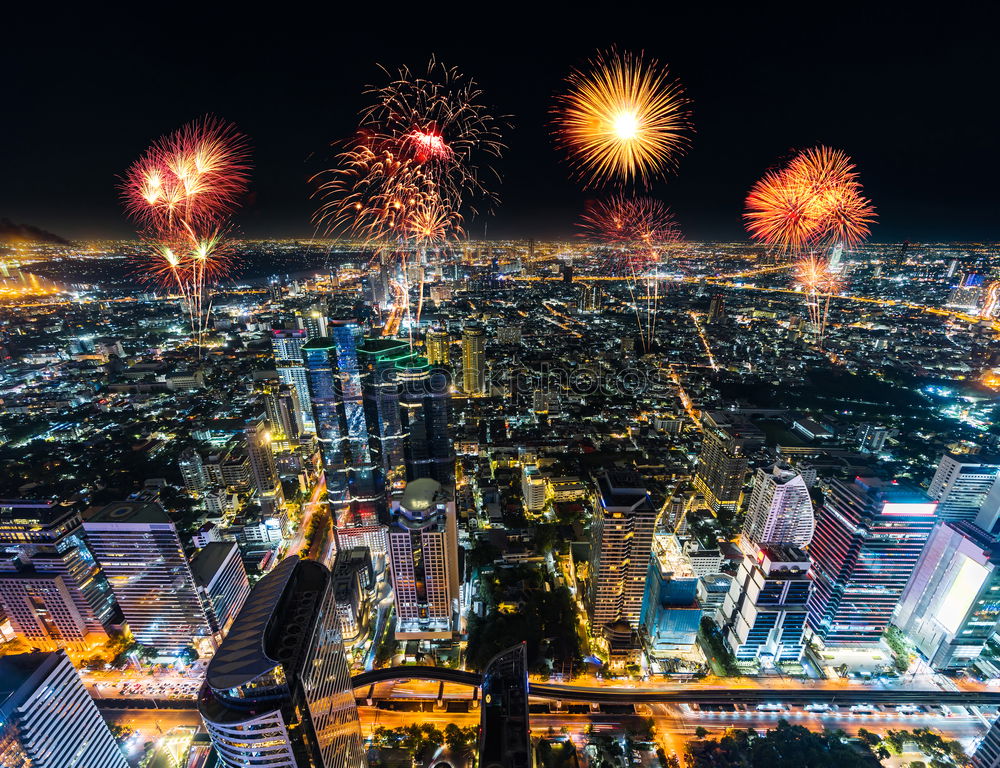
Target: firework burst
{"type": "Point", "coordinates": [813, 202]}
{"type": "Point", "coordinates": [623, 120]}
{"type": "Point", "coordinates": [819, 284]}
{"type": "Point", "coordinates": [181, 193]}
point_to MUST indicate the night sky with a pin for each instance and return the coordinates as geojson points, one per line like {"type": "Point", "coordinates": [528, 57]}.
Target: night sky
{"type": "Point", "coordinates": [914, 100]}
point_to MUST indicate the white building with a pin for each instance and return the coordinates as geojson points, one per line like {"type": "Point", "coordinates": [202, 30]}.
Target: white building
{"type": "Point", "coordinates": [780, 509]}
{"type": "Point", "coordinates": [961, 483]}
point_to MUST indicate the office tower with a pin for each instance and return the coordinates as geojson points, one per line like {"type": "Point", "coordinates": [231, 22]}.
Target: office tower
{"type": "Point", "coordinates": [193, 471]}
{"type": "Point", "coordinates": [670, 613]}
{"type": "Point", "coordinates": [47, 718]}
{"type": "Point", "coordinates": [716, 309]}
{"type": "Point", "coordinates": [533, 488]}
{"type": "Point", "coordinates": [722, 464]}
{"type": "Point", "coordinates": [869, 536]}
{"type": "Point", "coordinates": [287, 347]}
{"type": "Point", "coordinates": [836, 258]}
{"type": "Point", "coordinates": [283, 411]}
{"type": "Point", "coordinates": [423, 549]}
{"type": "Point", "coordinates": [222, 583]}
{"type": "Point", "coordinates": [473, 359]}
{"type": "Point", "coordinates": [951, 605]}
{"type": "Point", "coordinates": [425, 409]}
{"type": "Point", "coordinates": [961, 483]}
{"type": "Point", "coordinates": [137, 546]}
{"type": "Point", "coordinates": [567, 273]}
{"type": "Point", "coordinates": [278, 691]}
{"type": "Point", "coordinates": [872, 437]}
{"type": "Point", "coordinates": [438, 346]}
{"type": "Point", "coordinates": [313, 321]}
{"type": "Point", "coordinates": [380, 361]}
{"type": "Point", "coordinates": [354, 590]}
{"type": "Point", "coordinates": [589, 297]}
{"type": "Point", "coordinates": [987, 754]}
{"type": "Point", "coordinates": [257, 439]}
{"type": "Point", "coordinates": [780, 510]}
{"type": "Point", "coordinates": [621, 541]}
{"type": "Point", "coordinates": [51, 588]}
{"type": "Point", "coordinates": [504, 733]}
{"type": "Point", "coordinates": [764, 614]}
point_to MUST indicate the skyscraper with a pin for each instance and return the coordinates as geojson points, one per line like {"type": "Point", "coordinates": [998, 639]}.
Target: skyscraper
{"type": "Point", "coordinates": [47, 718]}
{"type": "Point", "coordinates": [716, 309]}
{"type": "Point", "coordinates": [257, 439]}
{"type": "Point", "coordinates": [137, 546]}
{"type": "Point", "coordinates": [869, 536]}
{"type": "Point", "coordinates": [423, 551]}
{"type": "Point", "coordinates": [951, 605]}
{"type": "Point", "coordinates": [437, 345]}
{"type": "Point", "coordinates": [780, 510]}
{"type": "Point", "coordinates": [727, 442]}
{"type": "Point", "coordinates": [987, 754]}
{"type": "Point", "coordinates": [961, 483]}
{"type": "Point", "coordinates": [283, 411]}
{"type": "Point", "coordinates": [51, 587]}
{"type": "Point", "coordinates": [473, 359]}
{"type": "Point", "coordinates": [287, 347]}
{"type": "Point", "coordinates": [424, 406]}
{"type": "Point", "coordinates": [764, 614]}
{"type": "Point", "coordinates": [620, 547]}
{"type": "Point", "coordinates": [380, 361]}
{"type": "Point", "coordinates": [504, 734]}
{"type": "Point", "coordinates": [221, 579]}
{"type": "Point", "coordinates": [278, 691]}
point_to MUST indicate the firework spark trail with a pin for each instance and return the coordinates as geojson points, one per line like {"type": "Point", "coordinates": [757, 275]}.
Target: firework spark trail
{"type": "Point", "coordinates": [181, 193]}
{"type": "Point", "coordinates": [636, 228]}
{"type": "Point", "coordinates": [623, 120]}
{"type": "Point", "coordinates": [819, 284]}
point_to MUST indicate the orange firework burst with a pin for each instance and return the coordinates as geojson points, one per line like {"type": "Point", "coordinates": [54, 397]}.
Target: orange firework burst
{"type": "Point", "coordinates": [181, 193]}
{"type": "Point", "coordinates": [814, 201]}
{"type": "Point", "coordinates": [622, 121]}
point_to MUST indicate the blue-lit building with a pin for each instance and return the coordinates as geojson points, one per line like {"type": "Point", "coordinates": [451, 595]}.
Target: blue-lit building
{"type": "Point", "coordinates": [424, 400]}
{"type": "Point", "coordinates": [380, 361]}
{"type": "Point", "coordinates": [671, 613]}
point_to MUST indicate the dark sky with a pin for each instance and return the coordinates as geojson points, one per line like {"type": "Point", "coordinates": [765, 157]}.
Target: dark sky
{"type": "Point", "coordinates": [913, 98]}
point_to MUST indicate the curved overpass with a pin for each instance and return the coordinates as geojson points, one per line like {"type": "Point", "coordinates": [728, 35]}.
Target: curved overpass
{"type": "Point", "coordinates": [692, 695]}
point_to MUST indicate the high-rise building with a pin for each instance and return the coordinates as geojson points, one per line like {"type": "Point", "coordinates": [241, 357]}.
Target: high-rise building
{"type": "Point", "coordinates": [589, 297]}
{"type": "Point", "coordinates": [780, 509]}
{"type": "Point", "coordinates": [716, 309]}
{"type": "Point", "coordinates": [313, 321]}
{"type": "Point", "coordinates": [354, 590]}
{"type": "Point", "coordinates": [278, 691]}
{"type": "Point", "coordinates": [423, 551]}
{"type": "Point", "coordinates": [257, 439]}
{"type": "Point", "coordinates": [961, 483]}
{"type": "Point", "coordinates": [987, 754]}
{"type": "Point", "coordinates": [951, 605]}
{"type": "Point", "coordinates": [221, 579]}
{"type": "Point", "coordinates": [872, 437]}
{"type": "Point", "coordinates": [474, 359]}
{"type": "Point", "coordinates": [425, 408]}
{"type": "Point", "coordinates": [764, 614]}
{"type": "Point", "coordinates": [51, 587]}
{"type": "Point", "coordinates": [47, 718]}
{"type": "Point", "coordinates": [670, 614]}
{"type": "Point", "coordinates": [438, 346]}
{"type": "Point", "coordinates": [193, 471]}
{"type": "Point", "coordinates": [534, 489]}
{"type": "Point", "coordinates": [504, 733]}
{"type": "Point", "coordinates": [380, 361]}
{"type": "Point", "coordinates": [620, 547]}
{"type": "Point", "coordinates": [869, 536]}
{"type": "Point", "coordinates": [727, 442]}
{"type": "Point", "coordinates": [283, 410]}
{"type": "Point", "coordinates": [287, 348]}
{"type": "Point", "coordinates": [137, 546]}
